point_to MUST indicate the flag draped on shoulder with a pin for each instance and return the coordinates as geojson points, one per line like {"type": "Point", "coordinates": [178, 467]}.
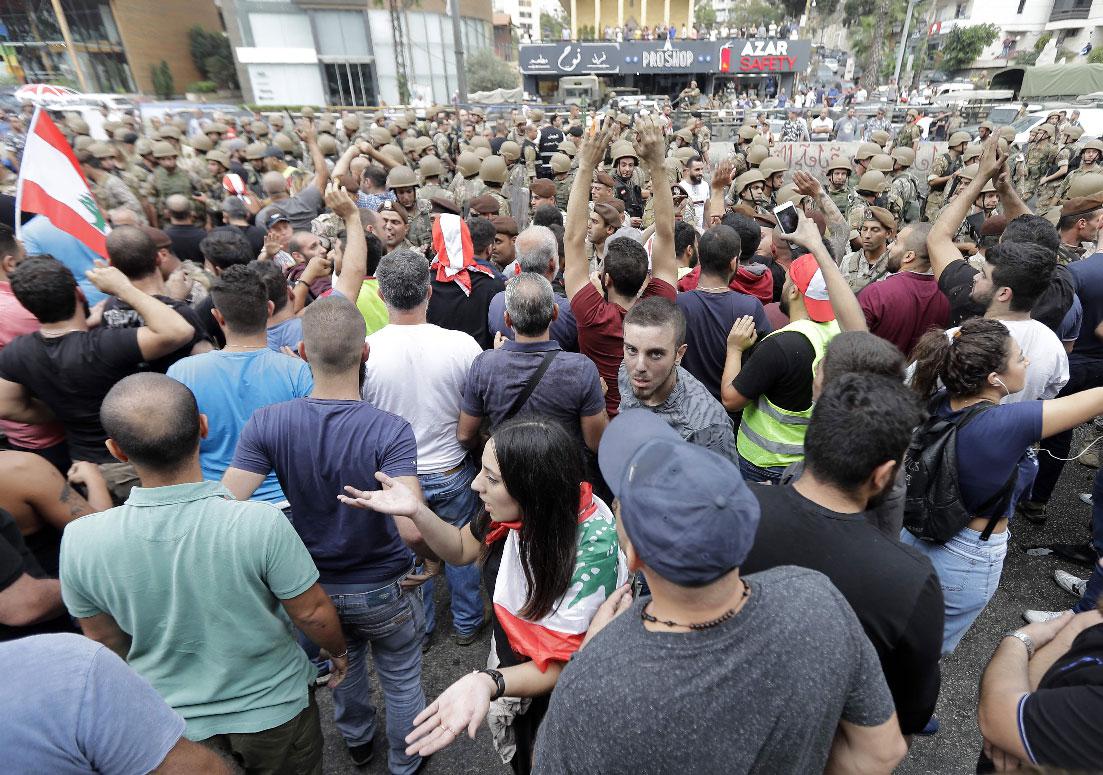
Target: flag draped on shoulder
{"type": "Point", "coordinates": [51, 184]}
{"type": "Point", "coordinates": [599, 569]}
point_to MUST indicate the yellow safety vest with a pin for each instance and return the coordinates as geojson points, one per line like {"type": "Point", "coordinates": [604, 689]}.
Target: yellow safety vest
{"type": "Point", "coordinates": [772, 437]}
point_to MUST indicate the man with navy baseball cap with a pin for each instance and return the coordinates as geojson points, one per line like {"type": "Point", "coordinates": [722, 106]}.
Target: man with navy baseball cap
{"type": "Point", "coordinates": [769, 673]}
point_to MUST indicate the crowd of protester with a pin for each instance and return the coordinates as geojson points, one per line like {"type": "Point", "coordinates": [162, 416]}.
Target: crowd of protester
{"type": "Point", "coordinates": [674, 456]}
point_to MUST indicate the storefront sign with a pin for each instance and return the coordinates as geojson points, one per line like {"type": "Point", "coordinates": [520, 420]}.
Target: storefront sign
{"type": "Point", "coordinates": [642, 57]}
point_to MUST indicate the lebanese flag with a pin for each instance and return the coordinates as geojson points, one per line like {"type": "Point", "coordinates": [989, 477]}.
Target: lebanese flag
{"type": "Point", "coordinates": [599, 569]}
{"type": "Point", "coordinates": [51, 184]}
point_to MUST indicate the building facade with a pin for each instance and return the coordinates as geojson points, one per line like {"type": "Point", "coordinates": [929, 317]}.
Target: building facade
{"type": "Point", "coordinates": [346, 52]}
{"type": "Point", "coordinates": [102, 45]}
{"type": "Point", "coordinates": [597, 15]}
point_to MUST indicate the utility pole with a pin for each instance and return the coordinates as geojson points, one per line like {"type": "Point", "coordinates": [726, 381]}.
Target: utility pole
{"type": "Point", "coordinates": [457, 41]}
{"type": "Point", "coordinates": [903, 43]}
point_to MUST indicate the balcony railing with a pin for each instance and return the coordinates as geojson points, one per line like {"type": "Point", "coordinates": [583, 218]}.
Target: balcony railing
{"type": "Point", "coordinates": [1076, 9]}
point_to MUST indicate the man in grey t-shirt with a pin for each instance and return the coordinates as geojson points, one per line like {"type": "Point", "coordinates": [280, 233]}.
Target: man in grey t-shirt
{"type": "Point", "coordinates": [770, 674]}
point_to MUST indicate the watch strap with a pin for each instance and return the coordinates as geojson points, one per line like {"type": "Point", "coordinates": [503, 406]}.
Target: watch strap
{"type": "Point", "coordinates": [1025, 639]}
{"type": "Point", "coordinates": [499, 681]}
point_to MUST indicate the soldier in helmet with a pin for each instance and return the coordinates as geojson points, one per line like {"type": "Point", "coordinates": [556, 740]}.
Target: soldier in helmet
{"type": "Point", "coordinates": [773, 172]}
{"type": "Point", "coordinates": [1090, 154]}
{"type": "Point", "coordinates": [211, 191]}
{"type": "Point", "coordinates": [942, 170]}
{"type": "Point", "coordinates": [530, 151]}
{"type": "Point", "coordinates": [168, 179]}
{"type": "Point", "coordinates": [880, 138]}
{"type": "Point", "coordinates": [1040, 157]}
{"type": "Point", "coordinates": [494, 174]}
{"type": "Point", "coordinates": [515, 189]}
{"type": "Point", "coordinates": [254, 166]}
{"type": "Point", "coordinates": [563, 177]}
{"type": "Point", "coordinates": [625, 162]}
{"type": "Point", "coordinates": [465, 184]}
{"type": "Point", "coordinates": [868, 264]}
{"type": "Point", "coordinates": [984, 207]}
{"type": "Point", "coordinates": [903, 184]}
{"type": "Point", "coordinates": [431, 171]}
{"type": "Point", "coordinates": [840, 187]}
{"type": "Point", "coordinates": [868, 192]}
{"type": "Point", "coordinates": [884, 164]}
{"type": "Point", "coordinates": [98, 163]}
{"type": "Point", "coordinates": [349, 132]}
{"type": "Point", "coordinates": [738, 157]}
{"type": "Point", "coordinates": [749, 189]}
{"type": "Point", "coordinates": [1049, 187]}
{"type": "Point", "coordinates": [865, 152]}
{"type": "Point", "coordinates": [908, 135]}
{"type": "Point", "coordinates": [402, 182]}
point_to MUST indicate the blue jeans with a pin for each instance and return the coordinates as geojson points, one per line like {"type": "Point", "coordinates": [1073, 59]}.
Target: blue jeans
{"type": "Point", "coordinates": [968, 571]}
{"type": "Point", "coordinates": [1095, 581]}
{"type": "Point", "coordinates": [451, 498]}
{"type": "Point", "coordinates": [391, 623]}
{"type": "Point", "coordinates": [759, 475]}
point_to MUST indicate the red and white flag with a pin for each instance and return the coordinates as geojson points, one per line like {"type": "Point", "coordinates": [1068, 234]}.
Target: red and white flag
{"type": "Point", "coordinates": [51, 184]}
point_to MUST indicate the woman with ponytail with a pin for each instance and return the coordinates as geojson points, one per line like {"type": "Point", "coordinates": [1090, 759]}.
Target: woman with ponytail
{"type": "Point", "coordinates": [973, 370]}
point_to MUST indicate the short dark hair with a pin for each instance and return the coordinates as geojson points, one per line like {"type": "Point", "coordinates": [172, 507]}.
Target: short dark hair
{"type": "Point", "coordinates": [132, 252]}
{"type": "Point", "coordinates": [154, 419]}
{"type": "Point", "coordinates": [1033, 229]}
{"type": "Point", "coordinates": [1024, 268]}
{"type": "Point", "coordinates": [657, 312]}
{"type": "Point", "coordinates": [241, 296]}
{"type": "Point", "coordinates": [716, 248]}
{"type": "Point", "coordinates": [626, 265]}
{"type": "Point", "coordinates": [9, 245]}
{"type": "Point", "coordinates": [482, 233]}
{"type": "Point", "coordinates": [750, 233]}
{"type": "Point", "coordinates": [333, 335]}
{"type": "Point", "coordinates": [859, 422]}
{"type": "Point", "coordinates": [45, 287]}
{"type": "Point", "coordinates": [275, 282]}
{"type": "Point", "coordinates": [225, 248]}
{"type": "Point", "coordinates": [684, 236]}
{"type": "Point", "coordinates": [557, 230]}
{"type": "Point", "coordinates": [376, 174]}
{"type": "Point", "coordinates": [860, 352]}
{"type": "Point", "coordinates": [403, 277]}
{"type": "Point", "coordinates": [375, 252]}
{"type": "Point", "coordinates": [547, 215]}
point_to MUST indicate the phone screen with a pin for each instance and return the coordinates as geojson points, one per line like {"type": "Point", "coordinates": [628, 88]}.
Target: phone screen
{"type": "Point", "coordinates": [786, 217]}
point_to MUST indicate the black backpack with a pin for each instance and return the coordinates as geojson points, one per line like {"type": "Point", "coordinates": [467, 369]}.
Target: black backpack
{"type": "Point", "coordinates": [933, 509]}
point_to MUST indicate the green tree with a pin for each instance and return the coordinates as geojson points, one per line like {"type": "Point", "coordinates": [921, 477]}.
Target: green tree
{"type": "Point", "coordinates": [211, 54]}
{"type": "Point", "coordinates": [163, 85]}
{"type": "Point", "coordinates": [1096, 56]}
{"type": "Point", "coordinates": [756, 12]}
{"type": "Point", "coordinates": [1042, 40]}
{"type": "Point", "coordinates": [964, 44]}
{"type": "Point", "coordinates": [551, 25]}
{"type": "Point", "coordinates": [486, 72]}
{"type": "Point", "coordinates": [704, 15]}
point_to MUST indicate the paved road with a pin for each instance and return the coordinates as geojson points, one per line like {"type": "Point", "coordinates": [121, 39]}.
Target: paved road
{"type": "Point", "coordinates": [1027, 583]}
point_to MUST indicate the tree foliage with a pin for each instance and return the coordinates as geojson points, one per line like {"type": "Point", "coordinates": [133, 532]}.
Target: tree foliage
{"type": "Point", "coordinates": [486, 72]}
{"type": "Point", "coordinates": [210, 51]}
{"type": "Point", "coordinates": [163, 84]}
{"type": "Point", "coordinates": [551, 25]}
{"type": "Point", "coordinates": [1095, 56]}
{"type": "Point", "coordinates": [964, 44]}
{"type": "Point", "coordinates": [756, 12]}
{"type": "Point", "coordinates": [704, 15]}
{"type": "Point", "coordinates": [1042, 40]}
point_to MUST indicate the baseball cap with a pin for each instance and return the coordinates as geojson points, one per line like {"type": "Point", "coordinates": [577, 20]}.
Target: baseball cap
{"type": "Point", "coordinates": [808, 278]}
{"type": "Point", "coordinates": [275, 217]}
{"type": "Point", "coordinates": [687, 511]}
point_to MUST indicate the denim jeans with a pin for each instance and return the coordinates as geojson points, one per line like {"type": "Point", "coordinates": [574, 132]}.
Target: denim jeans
{"type": "Point", "coordinates": [968, 571]}
{"type": "Point", "coordinates": [1095, 581]}
{"type": "Point", "coordinates": [451, 498]}
{"type": "Point", "coordinates": [391, 623]}
{"type": "Point", "coordinates": [759, 475]}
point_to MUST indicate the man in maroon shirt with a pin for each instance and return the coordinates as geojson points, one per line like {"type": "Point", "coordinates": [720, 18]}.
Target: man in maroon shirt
{"type": "Point", "coordinates": [907, 303]}
{"type": "Point", "coordinates": [599, 305]}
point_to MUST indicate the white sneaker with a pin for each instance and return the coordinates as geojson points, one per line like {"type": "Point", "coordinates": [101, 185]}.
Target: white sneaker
{"type": "Point", "coordinates": [1086, 497]}
{"type": "Point", "coordinates": [1074, 585]}
{"type": "Point", "coordinates": [1036, 617]}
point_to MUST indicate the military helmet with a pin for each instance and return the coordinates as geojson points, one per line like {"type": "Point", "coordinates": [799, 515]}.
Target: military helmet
{"type": "Point", "coordinates": [143, 147]}
{"type": "Point", "coordinates": [510, 151]}
{"type": "Point", "coordinates": [772, 166]}
{"type": "Point", "coordinates": [684, 154]}
{"type": "Point", "coordinates": [971, 152]}
{"type": "Point", "coordinates": [685, 134]}
{"type": "Point", "coordinates": [968, 172]}
{"type": "Point", "coordinates": [957, 138]}
{"type": "Point", "coordinates": [401, 177]}
{"type": "Point", "coordinates": [788, 193]}
{"type": "Point", "coordinates": [867, 151]}
{"type": "Point", "coordinates": [1075, 132]}
{"type": "Point", "coordinates": [430, 167]}
{"type": "Point", "coordinates": [255, 151]}
{"type": "Point", "coordinates": [163, 149]}
{"type": "Point", "coordinates": [559, 162]}
{"type": "Point", "coordinates": [989, 188]}
{"type": "Point", "coordinates": [478, 141]}
{"type": "Point", "coordinates": [467, 164]}
{"type": "Point", "coordinates": [882, 162]}
{"type": "Point", "coordinates": [622, 149]}
{"type": "Point", "coordinates": [493, 170]}
{"type": "Point", "coordinates": [327, 144]}
{"type": "Point", "coordinates": [102, 150]}
{"type": "Point", "coordinates": [394, 153]}
{"type": "Point", "coordinates": [200, 142]}
{"type": "Point", "coordinates": [284, 143]}
{"type": "Point", "coordinates": [168, 130]}
{"type": "Point", "coordinates": [747, 178]}
{"type": "Point", "coordinates": [82, 142]}
{"type": "Point", "coordinates": [839, 163]}
{"type": "Point", "coordinates": [747, 133]}
{"type": "Point", "coordinates": [482, 153]}
{"type": "Point", "coordinates": [1094, 143]}
{"type": "Point", "coordinates": [219, 156]}
{"type": "Point", "coordinates": [872, 181]}
{"type": "Point", "coordinates": [1046, 129]}
{"type": "Point", "coordinates": [757, 154]}
{"type": "Point", "coordinates": [379, 135]}
{"type": "Point", "coordinates": [1007, 133]}
{"type": "Point", "coordinates": [879, 137]}
{"type": "Point", "coordinates": [905, 157]}
{"type": "Point", "coordinates": [568, 147]}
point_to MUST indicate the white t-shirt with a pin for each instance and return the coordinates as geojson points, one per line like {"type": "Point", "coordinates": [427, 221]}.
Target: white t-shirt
{"type": "Point", "coordinates": [822, 122]}
{"type": "Point", "coordinates": [418, 372]}
{"type": "Point", "coordinates": [1048, 370]}
{"type": "Point", "coordinates": [698, 194]}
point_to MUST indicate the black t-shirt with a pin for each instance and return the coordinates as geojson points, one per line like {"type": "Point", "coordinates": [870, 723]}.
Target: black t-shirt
{"type": "Point", "coordinates": [254, 234]}
{"type": "Point", "coordinates": [185, 242]}
{"type": "Point", "coordinates": [450, 307]}
{"type": "Point", "coordinates": [119, 314]}
{"type": "Point", "coordinates": [956, 281]}
{"type": "Point", "coordinates": [71, 374]}
{"type": "Point", "coordinates": [15, 560]}
{"type": "Point", "coordinates": [203, 309]}
{"type": "Point", "coordinates": [779, 367]}
{"type": "Point", "coordinates": [1059, 722]}
{"type": "Point", "coordinates": [892, 588]}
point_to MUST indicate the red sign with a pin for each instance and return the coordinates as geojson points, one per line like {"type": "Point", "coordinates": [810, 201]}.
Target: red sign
{"type": "Point", "coordinates": [758, 57]}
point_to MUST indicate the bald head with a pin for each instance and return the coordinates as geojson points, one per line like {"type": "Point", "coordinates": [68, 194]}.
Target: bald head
{"type": "Point", "coordinates": [154, 421]}
{"type": "Point", "coordinates": [178, 205]}
{"type": "Point", "coordinates": [132, 252]}
{"type": "Point", "coordinates": [333, 336]}
{"type": "Point", "coordinates": [537, 251]}
{"type": "Point", "coordinates": [273, 183]}
{"type": "Point", "coordinates": [122, 216]}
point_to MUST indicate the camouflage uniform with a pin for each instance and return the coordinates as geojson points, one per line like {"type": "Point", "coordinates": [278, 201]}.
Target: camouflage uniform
{"type": "Point", "coordinates": [704, 139]}
{"type": "Point", "coordinates": [530, 154]}
{"type": "Point", "coordinates": [463, 188]}
{"type": "Point", "coordinates": [499, 197]}
{"type": "Point", "coordinates": [1067, 254]}
{"type": "Point", "coordinates": [888, 200]}
{"type": "Point", "coordinates": [905, 187]}
{"type": "Point", "coordinates": [1049, 193]}
{"type": "Point", "coordinates": [843, 198]}
{"type": "Point", "coordinates": [944, 164]}
{"type": "Point", "coordinates": [1039, 158]}
{"type": "Point", "coordinates": [112, 192]}
{"type": "Point", "coordinates": [563, 190]}
{"type": "Point", "coordinates": [167, 183]}
{"type": "Point", "coordinates": [428, 192]}
{"type": "Point", "coordinates": [420, 227]}
{"type": "Point", "coordinates": [859, 272]}
{"type": "Point", "coordinates": [1083, 169]}
{"type": "Point", "coordinates": [907, 136]}
{"type": "Point", "coordinates": [689, 213]}
{"type": "Point", "coordinates": [739, 163]}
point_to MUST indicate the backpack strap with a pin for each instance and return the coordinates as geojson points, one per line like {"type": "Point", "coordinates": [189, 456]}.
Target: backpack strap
{"type": "Point", "coordinates": [530, 386]}
{"type": "Point", "coordinates": [973, 411]}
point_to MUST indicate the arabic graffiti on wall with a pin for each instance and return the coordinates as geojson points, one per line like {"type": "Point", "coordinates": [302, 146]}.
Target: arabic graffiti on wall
{"type": "Point", "coordinates": [814, 157]}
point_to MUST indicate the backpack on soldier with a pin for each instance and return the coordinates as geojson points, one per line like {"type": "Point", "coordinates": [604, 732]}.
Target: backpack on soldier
{"type": "Point", "coordinates": [933, 508]}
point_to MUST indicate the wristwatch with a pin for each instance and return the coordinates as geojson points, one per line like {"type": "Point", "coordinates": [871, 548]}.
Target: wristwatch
{"type": "Point", "coordinates": [1025, 639]}
{"type": "Point", "coordinates": [499, 681]}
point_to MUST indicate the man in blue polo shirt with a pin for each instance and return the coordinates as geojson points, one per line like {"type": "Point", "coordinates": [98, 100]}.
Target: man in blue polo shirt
{"type": "Point", "coordinates": [231, 383]}
{"type": "Point", "coordinates": [317, 445]}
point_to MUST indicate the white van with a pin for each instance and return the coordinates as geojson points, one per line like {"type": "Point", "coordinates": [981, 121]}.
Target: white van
{"type": "Point", "coordinates": [1090, 118]}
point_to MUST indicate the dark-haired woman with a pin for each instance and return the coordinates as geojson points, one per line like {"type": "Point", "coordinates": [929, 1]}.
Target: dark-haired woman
{"type": "Point", "coordinates": [550, 557]}
{"type": "Point", "coordinates": [980, 364]}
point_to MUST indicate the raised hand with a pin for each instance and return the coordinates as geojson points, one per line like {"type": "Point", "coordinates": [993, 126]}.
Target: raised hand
{"type": "Point", "coordinates": [395, 498]}
{"type": "Point", "coordinates": [650, 141]}
{"type": "Point", "coordinates": [339, 201]}
{"type": "Point", "coordinates": [107, 278]}
{"type": "Point", "coordinates": [594, 146]}
{"type": "Point", "coordinates": [743, 334]}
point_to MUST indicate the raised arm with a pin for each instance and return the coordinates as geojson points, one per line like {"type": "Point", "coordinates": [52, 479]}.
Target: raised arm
{"type": "Point", "coordinates": [165, 329]}
{"type": "Point", "coordinates": [354, 260]}
{"type": "Point", "coordinates": [309, 135]}
{"type": "Point", "coordinates": [837, 226]}
{"type": "Point", "coordinates": [650, 146]}
{"type": "Point", "coordinates": [1010, 202]}
{"type": "Point", "coordinates": [716, 206]}
{"type": "Point", "coordinates": [1067, 412]}
{"type": "Point", "coordinates": [345, 162]}
{"type": "Point", "coordinates": [843, 301]}
{"type": "Point", "coordinates": [576, 269]}
{"type": "Point", "coordinates": [940, 240]}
